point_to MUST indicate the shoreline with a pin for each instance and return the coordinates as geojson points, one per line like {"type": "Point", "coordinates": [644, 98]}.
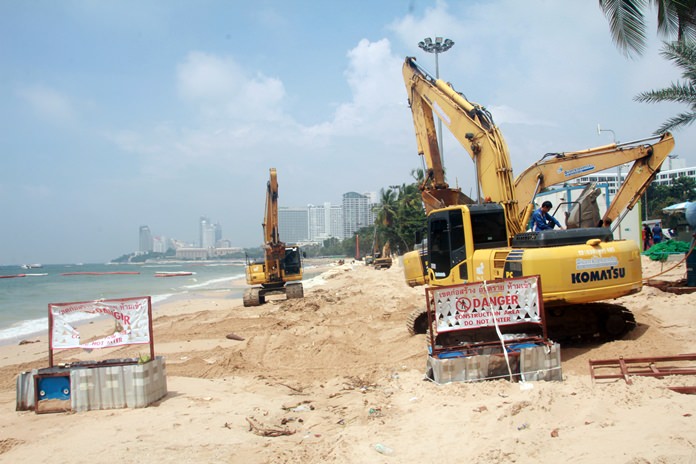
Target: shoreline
{"type": "Point", "coordinates": [168, 303]}
{"type": "Point", "coordinates": [216, 288]}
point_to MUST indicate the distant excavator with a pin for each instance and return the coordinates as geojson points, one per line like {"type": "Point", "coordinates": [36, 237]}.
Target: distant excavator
{"type": "Point", "coordinates": [281, 271]}
{"type": "Point", "coordinates": [382, 259]}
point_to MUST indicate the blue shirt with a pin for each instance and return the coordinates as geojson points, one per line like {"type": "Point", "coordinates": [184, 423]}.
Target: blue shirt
{"type": "Point", "coordinates": [541, 220]}
{"type": "Point", "coordinates": [657, 234]}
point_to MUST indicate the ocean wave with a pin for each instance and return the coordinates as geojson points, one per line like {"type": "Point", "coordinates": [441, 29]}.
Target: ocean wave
{"type": "Point", "coordinates": [213, 282]}
{"type": "Point", "coordinates": [27, 328]}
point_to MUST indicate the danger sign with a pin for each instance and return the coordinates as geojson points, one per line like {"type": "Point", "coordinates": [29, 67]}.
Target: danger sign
{"type": "Point", "coordinates": [482, 304]}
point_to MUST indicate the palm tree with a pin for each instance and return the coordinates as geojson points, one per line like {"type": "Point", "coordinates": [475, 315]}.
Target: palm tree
{"type": "Point", "coordinates": [386, 208]}
{"type": "Point", "coordinates": [675, 19]}
{"type": "Point", "coordinates": [399, 215]}
{"type": "Point", "coordinates": [684, 56]}
{"type": "Point", "coordinates": [385, 214]}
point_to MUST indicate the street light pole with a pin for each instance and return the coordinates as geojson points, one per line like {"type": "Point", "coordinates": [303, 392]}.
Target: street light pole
{"type": "Point", "coordinates": [618, 180]}
{"type": "Point", "coordinates": [440, 45]}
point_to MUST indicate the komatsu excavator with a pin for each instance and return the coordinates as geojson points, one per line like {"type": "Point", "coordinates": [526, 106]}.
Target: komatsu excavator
{"type": "Point", "coordinates": [469, 242]}
{"type": "Point", "coordinates": [281, 270]}
{"type": "Point", "coordinates": [645, 157]}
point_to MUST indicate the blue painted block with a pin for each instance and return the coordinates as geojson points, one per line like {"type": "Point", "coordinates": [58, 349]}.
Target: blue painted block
{"type": "Point", "coordinates": [54, 388]}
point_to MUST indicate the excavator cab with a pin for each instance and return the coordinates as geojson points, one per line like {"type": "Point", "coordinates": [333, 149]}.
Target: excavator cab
{"type": "Point", "coordinates": [292, 262]}
{"type": "Point", "coordinates": [451, 228]}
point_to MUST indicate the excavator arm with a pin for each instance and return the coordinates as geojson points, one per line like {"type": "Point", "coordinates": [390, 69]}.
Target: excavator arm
{"type": "Point", "coordinates": [473, 126]}
{"type": "Point", "coordinates": [639, 178]}
{"type": "Point", "coordinates": [435, 191]}
{"type": "Point", "coordinates": [274, 248]}
{"type": "Point", "coordinates": [647, 155]}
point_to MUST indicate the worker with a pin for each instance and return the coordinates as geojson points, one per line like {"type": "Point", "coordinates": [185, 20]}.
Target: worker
{"type": "Point", "coordinates": [647, 237]}
{"type": "Point", "coordinates": [542, 220]}
{"type": "Point", "coordinates": [657, 233]}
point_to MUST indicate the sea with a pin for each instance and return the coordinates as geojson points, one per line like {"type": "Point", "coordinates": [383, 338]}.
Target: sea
{"type": "Point", "coordinates": [24, 300]}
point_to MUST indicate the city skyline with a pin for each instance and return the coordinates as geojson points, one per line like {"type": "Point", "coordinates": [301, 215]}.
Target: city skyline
{"type": "Point", "coordinates": [307, 227]}
{"type": "Point", "coordinates": [673, 168]}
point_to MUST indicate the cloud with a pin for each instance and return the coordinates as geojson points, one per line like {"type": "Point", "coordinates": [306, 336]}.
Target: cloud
{"type": "Point", "coordinates": [221, 88]}
{"type": "Point", "coordinates": [240, 111]}
{"type": "Point", "coordinates": [48, 104]}
{"type": "Point", "coordinates": [507, 115]}
{"type": "Point", "coordinates": [378, 101]}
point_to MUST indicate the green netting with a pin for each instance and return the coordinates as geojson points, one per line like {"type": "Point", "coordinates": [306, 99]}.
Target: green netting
{"type": "Point", "coordinates": [662, 250]}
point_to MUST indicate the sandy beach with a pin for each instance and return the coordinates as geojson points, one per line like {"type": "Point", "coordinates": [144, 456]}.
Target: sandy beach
{"type": "Point", "coordinates": [328, 377]}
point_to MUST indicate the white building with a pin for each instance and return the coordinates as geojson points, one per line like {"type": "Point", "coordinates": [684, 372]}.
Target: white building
{"type": "Point", "coordinates": [671, 170]}
{"type": "Point", "coordinates": [357, 212]}
{"type": "Point", "coordinates": [325, 221]}
{"type": "Point", "coordinates": [209, 233]}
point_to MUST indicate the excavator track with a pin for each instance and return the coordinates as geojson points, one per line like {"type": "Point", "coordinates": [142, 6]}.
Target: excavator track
{"type": "Point", "coordinates": [294, 291]}
{"type": "Point", "coordinates": [585, 323]}
{"type": "Point", "coordinates": [417, 322]}
{"type": "Point", "coordinates": [252, 297]}
{"type": "Point", "coordinates": [589, 322]}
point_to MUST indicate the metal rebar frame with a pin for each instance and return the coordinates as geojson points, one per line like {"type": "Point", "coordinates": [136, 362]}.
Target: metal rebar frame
{"type": "Point", "coordinates": [625, 368]}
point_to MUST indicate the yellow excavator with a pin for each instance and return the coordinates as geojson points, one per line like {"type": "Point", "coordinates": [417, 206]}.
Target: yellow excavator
{"type": "Point", "coordinates": [485, 240]}
{"type": "Point", "coordinates": [382, 259]}
{"type": "Point", "coordinates": [281, 271]}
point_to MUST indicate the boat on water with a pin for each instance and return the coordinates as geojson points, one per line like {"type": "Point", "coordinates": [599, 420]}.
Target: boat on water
{"type": "Point", "coordinates": [32, 266]}
{"type": "Point", "coordinates": [173, 273]}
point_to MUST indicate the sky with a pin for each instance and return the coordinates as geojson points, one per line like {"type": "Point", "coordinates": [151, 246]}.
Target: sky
{"type": "Point", "coordinates": [115, 115]}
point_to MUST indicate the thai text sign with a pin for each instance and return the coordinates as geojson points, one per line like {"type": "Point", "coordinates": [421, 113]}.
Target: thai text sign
{"type": "Point", "coordinates": [474, 305]}
{"type": "Point", "coordinates": [131, 315]}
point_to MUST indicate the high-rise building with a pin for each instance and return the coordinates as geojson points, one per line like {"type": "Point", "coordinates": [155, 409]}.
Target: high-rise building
{"type": "Point", "coordinates": [203, 227]}
{"type": "Point", "coordinates": [317, 222]}
{"type": "Point", "coordinates": [325, 221]}
{"type": "Point", "coordinates": [145, 240]}
{"type": "Point", "coordinates": [209, 233]}
{"type": "Point", "coordinates": [357, 213]}
{"type": "Point", "coordinates": [334, 221]}
{"type": "Point", "coordinates": [218, 234]}
{"type": "Point", "coordinates": [293, 225]}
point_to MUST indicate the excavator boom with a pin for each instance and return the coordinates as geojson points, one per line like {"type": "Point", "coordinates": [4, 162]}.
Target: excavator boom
{"type": "Point", "coordinates": [270, 223]}
{"type": "Point", "coordinates": [474, 128]}
{"type": "Point", "coordinates": [274, 249]}
{"type": "Point", "coordinates": [646, 156]}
